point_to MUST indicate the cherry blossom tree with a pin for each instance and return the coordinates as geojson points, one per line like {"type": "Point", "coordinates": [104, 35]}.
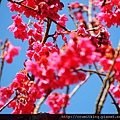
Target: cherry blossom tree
{"type": "Point", "coordinates": [86, 50]}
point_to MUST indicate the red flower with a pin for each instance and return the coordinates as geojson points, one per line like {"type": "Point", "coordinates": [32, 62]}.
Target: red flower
{"type": "Point", "coordinates": [56, 101]}
{"type": "Point", "coordinates": [19, 28]}
{"type": "Point", "coordinates": [62, 20]}
{"type": "Point", "coordinates": [11, 52]}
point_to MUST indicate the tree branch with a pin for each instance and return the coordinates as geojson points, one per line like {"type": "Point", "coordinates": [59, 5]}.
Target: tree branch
{"type": "Point", "coordinates": [20, 3]}
{"type": "Point", "coordinates": [59, 24]}
{"type": "Point", "coordinates": [102, 95]}
{"type": "Point", "coordinates": [2, 58]}
{"type": "Point", "coordinates": [46, 31]}
{"type": "Point", "coordinates": [79, 85]}
{"type": "Point", "coordinates": [2, 62]}
{"type": "Point", "coordinates": [114, 101]}
{"type": "Point", "coordinates": [90, 16]}
{"type": "Point", "coordinates": [39, 103]}
{"type": "Point", "coordinates": [72, 17]}
{"type": "Point", "coordinates": [64, 108]}
{"type": "Point", "coordinates": [5, 105]}
{"type": "Point", "coordinates": [91, 71]}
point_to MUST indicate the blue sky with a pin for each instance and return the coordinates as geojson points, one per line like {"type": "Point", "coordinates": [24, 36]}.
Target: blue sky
{"type": "Point", "coordinates": [83, 102]}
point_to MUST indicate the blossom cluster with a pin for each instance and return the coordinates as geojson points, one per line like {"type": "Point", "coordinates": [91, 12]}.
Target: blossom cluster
{"type": "Point", "coordinates": [25, 31]}
{"type": "Point", "coordinates": [18, 28]}
{"type": "Point", "coordinates": [39, 9]}
{"type": "Point", "coordinates": [10, 52]}
{"type": "Point", "coordinates": [24, 89]}
{"type": "Point", "coordinates": [53, 66]}
{"type": "Point", "coordinates": [56, 101]}
{"type": "Point", "coordinates": [109, 12]}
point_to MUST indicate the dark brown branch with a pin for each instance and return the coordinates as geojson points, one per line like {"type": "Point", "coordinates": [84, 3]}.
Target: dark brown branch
{"type": "Point", "coordinates": [20, 3]}
{"type": "Point", "coordinates": [64, 108]}
{"type": "Point", "coordinates": [59, 24]}
{"type": "Point", "coordinates": [115, 103]}
{"type": "Point", "coordinates": [7, 103]}
{"type": "Point", "coordinates": [91, 71]}
{"type": "Point", "coordinates": [46, 31]}
{"type": "Point", "coordinates": [104, 2]}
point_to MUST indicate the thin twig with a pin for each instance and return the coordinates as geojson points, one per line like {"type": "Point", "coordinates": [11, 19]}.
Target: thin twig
{"type": "Point", "coordinates": [71, 15]}
{"type": "Point", "coordinates": [59, 24]}
{"type": "Point", "coordinates": [91, 71]}
{"type": "Point", "coordinates": [93, 29]}
{"type": "Point", "coordinates": [90, 16]}
{"type": "Point", "coordinates": [115, 103]}
{"type": "Point", "coordinates": [2, 59]}
{"type": "Point", "coordinates": [46, 31]}
{"type": "Point", "coordinates": [39, 103]}
{"type": "Point", "coordinates": [20, 3]}
{"type": "Point", "coordinates": [2, 62]}
{"type": "Point", "coordinates": [79, 85]}
{"type": "Point", "coordinates": [5, 105]}
{"type": "Point", "coordinates": [64, 108]}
